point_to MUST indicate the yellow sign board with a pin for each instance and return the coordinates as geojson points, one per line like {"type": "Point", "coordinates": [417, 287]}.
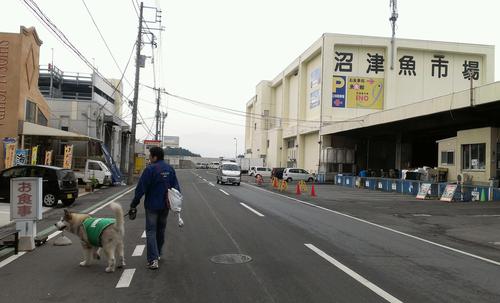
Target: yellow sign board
{"type": "Point", "coordinates": [10, 154]}
{"type": "Point", "coordinates": [48, 157]}
{"type": "Point", "coordinates": [365, 92]}
{"type": "Point", "coordinates": [34, 152]}
{"type": "Point", "coordinates": [68, 156]}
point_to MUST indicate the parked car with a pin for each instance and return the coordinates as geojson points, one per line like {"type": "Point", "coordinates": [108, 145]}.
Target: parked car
{"type": "Point", "coordinates": [199, 165]}
{"type": "Point", "coordinates": [229, 172]}
{"type": "Point", "coordinates": [297, 174]}
{"type": "Point", "coordinates": [58, 183]}
{"type": "Point", "coordinates": [95, 169]}
{"type": "Point", "coordinates": [251, 171]}
{"type": "Point", "coordinates": [277, 172]}
{"type": "Point", "coordinates": [214, 165]}
{"type": "Point", "coordinates": [262, 171]}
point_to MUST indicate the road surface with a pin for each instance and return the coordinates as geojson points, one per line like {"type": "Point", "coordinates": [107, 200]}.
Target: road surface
{"type": "Point", "coordinates": [300, 253]}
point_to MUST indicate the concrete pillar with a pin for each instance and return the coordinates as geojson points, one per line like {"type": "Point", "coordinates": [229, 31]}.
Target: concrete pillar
{"type": "Point", "coordinates": [398, 156]}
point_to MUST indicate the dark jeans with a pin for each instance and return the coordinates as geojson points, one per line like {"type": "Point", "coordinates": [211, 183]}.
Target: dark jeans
{"type": "Point", "coordinates": [156, 223]}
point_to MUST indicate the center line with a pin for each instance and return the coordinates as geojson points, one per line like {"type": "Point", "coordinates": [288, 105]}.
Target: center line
{"type": "Point", "coordinates": [211, 184]}
{"type": "Point", "coordinates": [379, 291]}
{"type": "Point", "coordinates": [139, 249]}
{"type": "Point", "coordinates": [126, 278]}
{"type": "Point", "coordinates": [252, 210]}
{"type": "Point", "coordinates": [224, 192]}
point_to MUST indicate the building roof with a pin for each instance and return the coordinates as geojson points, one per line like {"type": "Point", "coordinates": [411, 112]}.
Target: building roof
{"type": "Point", "coordinates": [32, 129]}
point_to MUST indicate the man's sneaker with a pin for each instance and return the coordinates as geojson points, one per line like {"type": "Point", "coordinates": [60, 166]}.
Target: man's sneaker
{"type": "Point", "coordinates": [153, 264]}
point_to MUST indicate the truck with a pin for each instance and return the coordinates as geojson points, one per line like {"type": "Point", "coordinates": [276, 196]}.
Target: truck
{"type": "Point", "coordinates": [247, 163]}
{"type": "Point", "coordinates": [94, 169]}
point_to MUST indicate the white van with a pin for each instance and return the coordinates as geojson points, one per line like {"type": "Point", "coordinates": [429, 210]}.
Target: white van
{"type": "Point", "coordinates": [95, 169]}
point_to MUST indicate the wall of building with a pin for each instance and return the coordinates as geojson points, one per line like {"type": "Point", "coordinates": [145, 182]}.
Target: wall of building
{"type": "Point", "coordinates": [19, 57]}
{"type": "Point", "coordinates": [449, 145]}
{"type": "Point", "coordinates": [488, 136]}
{"type": "Point", "coordinates": [311, 152]}
{"type": "Point", "coordinates": [342, 77]}
{"type": "Point", "coordinates": [477, 136]}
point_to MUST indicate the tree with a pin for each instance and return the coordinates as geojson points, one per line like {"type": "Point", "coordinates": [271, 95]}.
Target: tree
{"type": "Point", "coordinates": [179, 151]}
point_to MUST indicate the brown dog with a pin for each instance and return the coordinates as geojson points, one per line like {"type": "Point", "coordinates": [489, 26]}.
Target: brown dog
{"type": "Point", "coordinates": [110, 238]}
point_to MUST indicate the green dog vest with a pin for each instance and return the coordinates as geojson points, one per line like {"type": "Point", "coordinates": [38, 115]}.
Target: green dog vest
{"type": "Point", "coordinates": [94, 228]}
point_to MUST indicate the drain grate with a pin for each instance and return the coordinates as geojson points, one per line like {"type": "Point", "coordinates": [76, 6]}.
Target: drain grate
{"type": "Point", "coordinates": [231, 259]}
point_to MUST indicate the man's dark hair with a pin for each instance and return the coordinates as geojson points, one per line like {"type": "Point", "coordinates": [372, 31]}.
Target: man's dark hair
{"type": "Point", "coordinates": [157, 152]}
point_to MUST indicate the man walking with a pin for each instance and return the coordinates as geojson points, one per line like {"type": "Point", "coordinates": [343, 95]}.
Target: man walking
{"type": "Point", "coordinates": [154, 183]}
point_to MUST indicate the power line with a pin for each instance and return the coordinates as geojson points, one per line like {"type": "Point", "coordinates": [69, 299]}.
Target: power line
{"type": "Point", "coordinates": [46, 22]}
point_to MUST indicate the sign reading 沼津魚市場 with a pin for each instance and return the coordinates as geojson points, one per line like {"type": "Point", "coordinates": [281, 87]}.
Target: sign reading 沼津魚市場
{"type": "Point", "coordinates": [417, 74]}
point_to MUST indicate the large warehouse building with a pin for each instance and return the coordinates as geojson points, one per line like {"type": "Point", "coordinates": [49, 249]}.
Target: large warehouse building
{"type": "Point", "coordinates": [350, 103]}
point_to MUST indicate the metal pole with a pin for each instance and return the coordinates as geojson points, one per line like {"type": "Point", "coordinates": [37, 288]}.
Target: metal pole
{"type": "Point", "coordinates": [236, 150]}
{"type": "Point", "coordinates": [131, 165]}
{"type": "Point", "coordinates": [157, 133]}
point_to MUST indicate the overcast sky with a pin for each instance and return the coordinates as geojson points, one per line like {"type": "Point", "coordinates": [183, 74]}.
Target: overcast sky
{"type": "Point", "coordinates": [217, 51]}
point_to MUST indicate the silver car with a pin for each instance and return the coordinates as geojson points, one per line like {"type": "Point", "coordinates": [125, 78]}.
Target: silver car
{"type": "Point", "coordinates": [297, 174]}
{"type": "Point", "coordinates": [229, 172]}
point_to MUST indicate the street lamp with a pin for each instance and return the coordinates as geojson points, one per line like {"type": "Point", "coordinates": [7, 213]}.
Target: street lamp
{"type": "Point", "coordinates": [236, 150]}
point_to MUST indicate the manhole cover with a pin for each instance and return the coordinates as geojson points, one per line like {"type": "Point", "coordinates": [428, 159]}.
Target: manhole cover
{"type": "Point", "coordinates": [231, 259]}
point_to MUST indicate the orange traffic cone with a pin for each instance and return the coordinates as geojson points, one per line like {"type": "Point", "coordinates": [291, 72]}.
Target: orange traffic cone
{"type": "Point", "coordinates": [297, 189]}
{"type": "Point", "coordinates": [313, 191]}
{"type": "Point", "coordinates": [275, 182]}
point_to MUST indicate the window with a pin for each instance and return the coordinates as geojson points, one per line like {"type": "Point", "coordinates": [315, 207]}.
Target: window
{"type": "Point", "coordinates": [473, 156]}
{"type": "Point", "coordinates": [65, 128]}
{"type": "Point", "coordinates": [41, 119]}
{"type": "Point", "coordinates": [30, 112]}
{"type": "Point", "coordinates": [255, 126]}
{"type": "Point", "coordinates": [94, 166]}
{"type": "Point", "coordinates": [267, 143]}
{"type": "Point", "coordinates": [448, 157]}
{"type": "Point", "coordinates": [290, 143]}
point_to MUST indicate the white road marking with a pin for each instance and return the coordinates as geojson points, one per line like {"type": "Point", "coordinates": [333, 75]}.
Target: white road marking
{"type": "Point", "coordinates": [139, 249]}
{"type": "Point", "coordinates": [211, 184]}
{"type": "Point", "coordinates": [107, 203]}
{"type": "Point", "coordinates": [486, 216]}
{"type": "Point", "coordinates": [422, 215]}
{"type": "Point", "coordinates": [126, 278]}
{"type": "Point", "coordinates": [11, 258]}
{"type": "Point", "coordinates": [379, 291]}
{"type": "Point", "coordinates": [384, 227]}
{"type": "Point", "coordinates": [53, 235]}
{"type": "Point", "coordinates": [205, 180]}
{"type": "Point", "coordinates": [224, 192]}
{"type": "Point", "coordinates": [143, 234]}
{"type": "Point", "coordinates": [252, 210]}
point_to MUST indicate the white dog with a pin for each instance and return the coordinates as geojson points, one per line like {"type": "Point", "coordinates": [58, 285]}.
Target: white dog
{"type": "Point", "coordinates": [97, 233]}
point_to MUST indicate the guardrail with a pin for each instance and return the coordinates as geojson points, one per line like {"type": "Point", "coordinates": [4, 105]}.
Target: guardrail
{"type": "Point", "coordinates": [463, 192]}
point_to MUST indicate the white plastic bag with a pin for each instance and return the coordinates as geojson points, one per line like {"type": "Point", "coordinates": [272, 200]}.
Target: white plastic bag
{"type": "Point", "coordinates": [175, 199]}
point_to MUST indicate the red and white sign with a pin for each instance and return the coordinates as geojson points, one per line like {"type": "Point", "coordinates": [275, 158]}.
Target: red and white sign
{"type": "Point", "coordinates": [26, 199]}
{"type": "Point", "coordinates": [152, 142]}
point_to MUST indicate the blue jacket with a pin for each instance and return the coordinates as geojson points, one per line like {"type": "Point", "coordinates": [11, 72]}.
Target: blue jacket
{"type": "Point", "coordinates": [155, 180]}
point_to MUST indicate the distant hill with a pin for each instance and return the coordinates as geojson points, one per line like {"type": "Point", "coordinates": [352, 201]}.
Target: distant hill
{"type": "Point", "coordinates": [179, 151]}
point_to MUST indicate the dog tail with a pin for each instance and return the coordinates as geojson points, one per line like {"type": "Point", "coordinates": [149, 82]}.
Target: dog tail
{"type": "Point", "coordinates": [118, 210]}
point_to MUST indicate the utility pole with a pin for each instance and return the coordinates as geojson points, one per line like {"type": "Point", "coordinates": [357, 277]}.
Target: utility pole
{"type": "Point", "coordinates": [163, 116]}
{"type": "Point", "coordinates": [157, 133]}
{"type": "Point", "coordinates": [394, 17]}
{"type": "Point", "coordinates": [131, 162]}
